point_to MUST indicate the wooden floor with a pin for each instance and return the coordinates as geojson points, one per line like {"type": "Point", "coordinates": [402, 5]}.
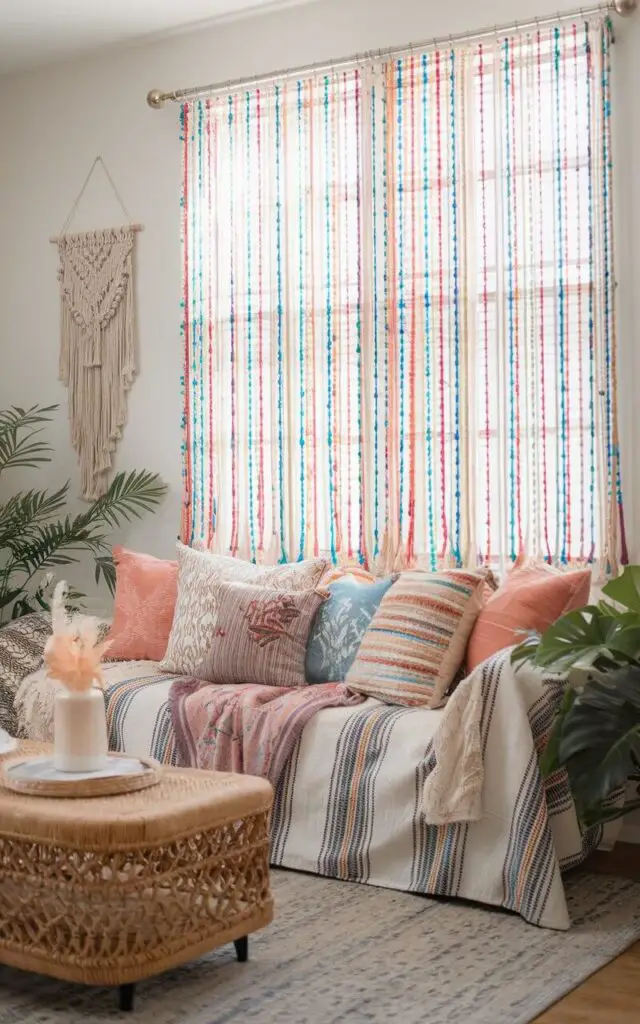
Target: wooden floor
{"type": "Point", "coordinates": [612, 996]}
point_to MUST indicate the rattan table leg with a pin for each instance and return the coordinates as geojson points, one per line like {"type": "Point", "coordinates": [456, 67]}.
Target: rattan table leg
{"type": "Point", "coordinates": [126, 997]}
{"type": "Point", "coordinates": [242, 949]}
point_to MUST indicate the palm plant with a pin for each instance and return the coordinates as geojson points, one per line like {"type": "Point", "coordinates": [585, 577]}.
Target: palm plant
{"type": "Point", "coordinates": [596, 736]}
{"type": "Point", "coordinates": [35, 535]}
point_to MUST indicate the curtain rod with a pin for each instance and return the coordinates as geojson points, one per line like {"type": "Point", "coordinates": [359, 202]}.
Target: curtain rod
{"type": "Point", "coordinates": [157, 99]}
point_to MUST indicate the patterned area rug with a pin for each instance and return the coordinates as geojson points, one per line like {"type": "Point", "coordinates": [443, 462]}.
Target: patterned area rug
{"type": "Point", "coordinates": [341, 952]}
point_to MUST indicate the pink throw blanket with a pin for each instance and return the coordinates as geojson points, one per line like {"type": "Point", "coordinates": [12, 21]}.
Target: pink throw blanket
{"type": "Point", "coordinates": [246, 728]}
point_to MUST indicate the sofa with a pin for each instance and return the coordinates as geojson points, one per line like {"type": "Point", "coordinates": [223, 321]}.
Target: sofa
{"type": "Point", "coordinates": [348, 802]}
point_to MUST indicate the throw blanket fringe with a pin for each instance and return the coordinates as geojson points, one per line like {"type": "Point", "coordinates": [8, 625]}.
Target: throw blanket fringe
{"type": "Point", "coordinates": [522, 704]}
{"type": "Point", "coordinates": [251, 729]}
{"type": "Point", "coordinates": [453, 791]}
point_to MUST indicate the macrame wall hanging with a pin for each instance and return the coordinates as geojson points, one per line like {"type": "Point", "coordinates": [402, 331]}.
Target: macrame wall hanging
{"type": "Point", "coordinates": [97, 350]}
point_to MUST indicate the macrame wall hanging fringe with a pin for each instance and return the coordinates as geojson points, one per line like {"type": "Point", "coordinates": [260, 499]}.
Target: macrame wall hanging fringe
{"type": "Point", "coordinates": [97, 353]}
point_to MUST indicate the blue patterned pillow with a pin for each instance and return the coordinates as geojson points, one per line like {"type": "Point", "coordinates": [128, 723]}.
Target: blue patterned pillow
{"type": "Point", "coordinates": [339, 627]}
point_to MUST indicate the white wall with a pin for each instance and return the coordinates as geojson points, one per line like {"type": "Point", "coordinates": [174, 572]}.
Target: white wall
{"type": "Point", "coordinates": [53, 123]}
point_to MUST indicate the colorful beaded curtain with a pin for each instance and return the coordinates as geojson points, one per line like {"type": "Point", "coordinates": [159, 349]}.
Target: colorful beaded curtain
{"type": "Point", "coordinates": [399, 320]}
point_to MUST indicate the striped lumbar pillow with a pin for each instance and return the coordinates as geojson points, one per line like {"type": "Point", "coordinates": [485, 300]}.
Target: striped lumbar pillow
{"type": "Point", "coordinates": [417, 638]}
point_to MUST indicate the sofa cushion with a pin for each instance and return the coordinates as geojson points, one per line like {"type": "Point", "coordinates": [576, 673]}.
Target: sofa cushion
{"type": "Point", "coordinates": [417, 638]}
{"type": "Point", "coordinates": [261, 635]}
{"type": "Point", "coordinates": [200, 573]}
{"type": "Point", "coordinates": [340, 625]}
{"type": "Point", "coordinates": [22, 643]}
{"type": "Point", "coordinates": [531, 598]}
{"type": "Point", "coordinates": [146, 591]}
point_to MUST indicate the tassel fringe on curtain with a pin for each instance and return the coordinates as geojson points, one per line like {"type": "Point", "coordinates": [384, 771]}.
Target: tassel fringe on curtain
{"type": "Point", "coordinates": [399, 322]}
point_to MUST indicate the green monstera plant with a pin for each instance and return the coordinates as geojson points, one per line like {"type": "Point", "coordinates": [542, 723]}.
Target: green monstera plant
{"type": "Point", "coordinates": [35, 535]}
{"type": "Point", "coordinates": [596, 736]}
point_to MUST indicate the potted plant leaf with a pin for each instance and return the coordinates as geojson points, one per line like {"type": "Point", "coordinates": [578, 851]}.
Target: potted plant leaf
{"type": "Point", "coordinates": [596, 736]}
{"type": "Point", "coordinates": [36, 536]}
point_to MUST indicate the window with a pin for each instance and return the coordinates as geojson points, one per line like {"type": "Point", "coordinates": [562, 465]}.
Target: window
{"type": "Point", "coordinates": [399, 318]}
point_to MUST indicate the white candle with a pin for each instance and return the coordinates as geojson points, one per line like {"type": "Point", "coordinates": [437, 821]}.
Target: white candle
{"type": "Point", "coordinates": [80, 730]}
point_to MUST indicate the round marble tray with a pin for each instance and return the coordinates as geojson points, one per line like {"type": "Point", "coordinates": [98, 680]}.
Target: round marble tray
{"type": "Point", "coordinates": [36, 776]}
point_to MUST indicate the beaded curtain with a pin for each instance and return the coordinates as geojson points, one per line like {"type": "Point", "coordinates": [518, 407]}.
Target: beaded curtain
{"type": "Point", "coordinates": [399, 324]}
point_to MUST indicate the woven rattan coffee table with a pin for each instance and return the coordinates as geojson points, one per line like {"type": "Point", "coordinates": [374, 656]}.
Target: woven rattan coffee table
{"type": "Point", "coordinates": [111, 890]}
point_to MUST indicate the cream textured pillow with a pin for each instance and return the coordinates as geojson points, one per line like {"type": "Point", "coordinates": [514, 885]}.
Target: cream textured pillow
{"type": "Point", "coordinates": [416, 641]}
{"type": "Point", "coordinates": [261, 634]}
{"type": "Point", "coordinates": [194, 621]}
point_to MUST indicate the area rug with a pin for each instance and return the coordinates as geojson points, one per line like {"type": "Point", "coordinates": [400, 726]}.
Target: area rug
{"type": "Point", "coordinates": [343, 952]}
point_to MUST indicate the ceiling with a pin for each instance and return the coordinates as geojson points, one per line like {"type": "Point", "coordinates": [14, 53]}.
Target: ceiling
{"type": "Point", "coordinates": [36, 32]}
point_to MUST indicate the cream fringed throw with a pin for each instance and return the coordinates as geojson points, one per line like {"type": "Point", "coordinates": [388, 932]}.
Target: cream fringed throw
{"type": "Point", "coordinates": [97, 359]}
{"type": "Point", "coordinates": [453, 789]}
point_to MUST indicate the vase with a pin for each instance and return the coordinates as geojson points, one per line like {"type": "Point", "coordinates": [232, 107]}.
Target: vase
{"type": "Point", "coordinates": [79, 731]}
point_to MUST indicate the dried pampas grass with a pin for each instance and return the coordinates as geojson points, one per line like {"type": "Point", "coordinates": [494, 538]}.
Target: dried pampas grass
{"type": "Point", "coordinates": [73, 654]}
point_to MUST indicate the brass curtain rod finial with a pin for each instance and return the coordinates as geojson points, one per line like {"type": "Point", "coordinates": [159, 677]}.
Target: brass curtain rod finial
{"type": "Point", "coordinates": [156, 99]}
{"type": "Point", "coordinates": [625, 7]}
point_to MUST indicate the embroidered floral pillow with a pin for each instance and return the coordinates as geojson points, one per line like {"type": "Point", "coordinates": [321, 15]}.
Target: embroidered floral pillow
{"type": "Point", "coordinates": [199, 575]}
{"type": "Point", "coordinates": [261, 635]}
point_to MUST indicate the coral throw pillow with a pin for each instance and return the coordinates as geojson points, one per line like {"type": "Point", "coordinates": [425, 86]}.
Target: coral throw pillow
{"type": "Point", "coordinates": [261, 635]}
{"type": "Point", "coordinates": [415, 644]}
{"type": "Point", "coordinates": [146, 592]}
{"type": "Point", "coordinates": [531, 598]}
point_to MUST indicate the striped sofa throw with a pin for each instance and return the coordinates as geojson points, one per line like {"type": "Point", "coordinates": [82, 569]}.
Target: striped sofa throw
{"type": "Point", "coordinates": [417, 639]}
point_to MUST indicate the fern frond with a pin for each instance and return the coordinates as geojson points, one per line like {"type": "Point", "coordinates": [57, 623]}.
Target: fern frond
{"type": "Point", "coordinates": [22, 512]}
{"type": "Point", "coordinates": [23, 452]}
{"type": "Point", "coordinates": [129, 496]}
{"type": "Point", "coordinates": [17, 418]}
{"type": "Point", "coordinates": [20, 445]}
{"type": "Point", "coordinates": [51, 544]}
{"type": "Point", "coordinates": [106, 570]}
{"type": "Point", "coordinates": [33, 540]}
{"type": "Point", "coordinates": [9, 596]}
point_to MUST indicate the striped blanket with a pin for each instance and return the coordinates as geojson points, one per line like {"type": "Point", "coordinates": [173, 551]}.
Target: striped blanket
{"type": "Point", "coordinates": [349, 801]}
{"type": "Point", "coordinates": [350, 804]}
{"type": "Point", "coordinates": [247, 728]}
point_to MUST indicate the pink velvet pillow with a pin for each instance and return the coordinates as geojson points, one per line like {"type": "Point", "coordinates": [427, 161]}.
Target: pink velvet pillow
{"type": "Point", "coordinates": [530, 598]}
{"type": "Point", "coordinates": [146, 592]}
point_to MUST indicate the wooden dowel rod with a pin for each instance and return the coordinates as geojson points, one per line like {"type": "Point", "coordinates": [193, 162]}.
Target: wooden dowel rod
{"type": "Point", "coordinates": [132, 227]}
